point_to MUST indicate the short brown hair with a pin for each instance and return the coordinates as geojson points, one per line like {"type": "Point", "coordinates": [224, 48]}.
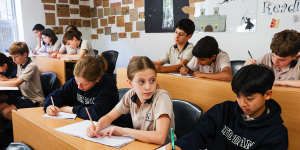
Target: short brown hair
{"type": "Point", "coordinates": [138, 64]}
{"type": "Point", "coordinates": [70, 34]}
{"type": "Point", "coordinates": [18, 48]}
{"type": "Point", "coordinates": [90, 68]}
{"type": "Point", "coordinates": [286, 43]}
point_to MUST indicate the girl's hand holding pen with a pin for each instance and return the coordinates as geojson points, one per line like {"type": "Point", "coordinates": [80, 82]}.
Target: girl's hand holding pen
{"type": "Point", "coordinates": [52, 110]}
{"type": "Point", "coordinates": [250, 61]}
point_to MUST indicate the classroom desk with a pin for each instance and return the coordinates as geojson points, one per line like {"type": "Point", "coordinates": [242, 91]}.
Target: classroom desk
{"type": "Point", "coordinates": [30, 128]}
{"type": "Point", "coordinates": [47, 64]}
{"type": "Point", "coordinates": [206, 93]}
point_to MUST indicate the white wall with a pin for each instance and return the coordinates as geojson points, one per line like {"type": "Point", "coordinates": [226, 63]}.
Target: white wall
{"type": "Point", "coordinates": [155, 45]}
{"type": "Point", "coordinates": [236, 44]}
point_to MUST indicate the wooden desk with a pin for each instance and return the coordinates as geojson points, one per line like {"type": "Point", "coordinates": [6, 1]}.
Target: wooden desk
{"type": "Point", "coordinates": [206, 93]}
{"type": "Point", "coordinates": [46, 64]}
{"type": "Point", "coordinates": [30, 128]}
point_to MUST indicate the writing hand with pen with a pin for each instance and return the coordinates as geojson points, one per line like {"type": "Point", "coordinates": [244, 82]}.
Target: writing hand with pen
{"type": "Point", "coordinates": [250, 61]}
{"type": "Point", "coordinates": [52, 110]}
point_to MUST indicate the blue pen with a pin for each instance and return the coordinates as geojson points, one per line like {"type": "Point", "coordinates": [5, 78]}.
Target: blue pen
{"type": "Point", "coordinates": [172, 139]}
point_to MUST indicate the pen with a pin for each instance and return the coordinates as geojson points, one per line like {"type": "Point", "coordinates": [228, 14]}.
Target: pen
{"type": "Point", "coordinates": [87, 111]}
{"type": "Point", "coordinates": [172, 139]}
{"type": "Point", "coordinates": [52, 100]}
{"type": "Point", "coordinates": [250, 54]}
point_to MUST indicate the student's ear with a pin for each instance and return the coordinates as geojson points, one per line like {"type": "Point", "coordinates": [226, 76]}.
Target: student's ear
{"type": "Point", "coordinates": [189, 36]}
{"type": "Point", "coordinates": [213, 57]}
{"type": "Point", "coordinates": [129, 83]}
{"type": "Point", "coordinates": [268, 94]}
{"type": "Point", "coordinates": [25, 55]}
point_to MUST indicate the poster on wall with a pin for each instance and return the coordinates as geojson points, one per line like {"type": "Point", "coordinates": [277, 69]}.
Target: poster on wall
{"type": "Point", "coordinates": [162, 15]}
{"type": "Point", "coordinates": [225, 15]}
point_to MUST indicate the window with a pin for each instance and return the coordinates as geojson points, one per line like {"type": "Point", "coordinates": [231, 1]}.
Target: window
{"type": "Point", "coordinates": [8, 24]}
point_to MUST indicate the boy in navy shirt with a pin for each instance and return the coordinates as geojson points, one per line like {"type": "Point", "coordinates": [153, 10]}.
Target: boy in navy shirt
{"type": "Point", "coordinates": [253, 121]}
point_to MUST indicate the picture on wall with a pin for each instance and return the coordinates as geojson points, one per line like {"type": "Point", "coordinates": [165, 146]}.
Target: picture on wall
{"type": "Point", "coordinates": [162, 15]}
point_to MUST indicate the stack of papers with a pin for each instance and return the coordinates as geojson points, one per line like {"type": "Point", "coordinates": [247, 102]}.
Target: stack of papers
{"type": "Point", "coordinates": [61, 115]}
{"type": "Point", "coordinates": [79, 130]}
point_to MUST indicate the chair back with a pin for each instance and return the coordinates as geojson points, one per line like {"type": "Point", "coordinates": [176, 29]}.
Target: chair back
{"type": "Point", "coordinates": [49, 82]}
{"type": "Point", "coordinates": [111, 57]}
{"type": "Point", "coordinates": [186, 116]}
{"type": "Point", "coordinates": [236, 65]}
{"type": "Point", "coordinates": [18, 146]}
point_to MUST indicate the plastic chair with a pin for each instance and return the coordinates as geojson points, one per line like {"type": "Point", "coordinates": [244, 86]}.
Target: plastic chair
{"type": "Point", "coordinates": [49, 82]}
{"type": "Point", "coordinates": [236, 65]}
{"type": "Point", "coordinates": [111, 57]}
{"type": "Point", "coordinates": [122, 92]}
{"type": "Point", "coordinates": [18, 146]}
{"type": "Point", "coordinates": [186, 116]}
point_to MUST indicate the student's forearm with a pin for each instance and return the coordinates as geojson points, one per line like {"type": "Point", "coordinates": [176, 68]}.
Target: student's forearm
{"type": "Point", "coordinates": [145, 136]}
{"type": "Point", "coordinates": [10, 83]}
{"type": "Point", "coordinates": [292, 83]}
{"type": "Point", "coordinates": [224, 76]}
{"type": "Point", "coordinates": [170, 69]}
{"type": "Point", "coordinates": [67, 109]}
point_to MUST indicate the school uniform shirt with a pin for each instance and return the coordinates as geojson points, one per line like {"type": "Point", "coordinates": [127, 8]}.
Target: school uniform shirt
{"type": "Point", "coordinates": [31, 86]}
{"type": "Point", "coordinates": [145, 116]}
{"type": "Point", "coordinates": [222, 61]}
{"type": "Point", "coordinates": [223, 128]}
{"type": "Point", "coordinates": [49, 48]}
{"type": "Point", "coordinates": [85, 45]}
{"type": "Point", "coordinates": [67, 49]}
{"type": "Point", "coordinates": [174, 57]}
{"type": "Point", "coordinates": [99, 100]}
{"type": "Point", "coordinates": [37, 46]}
{"type": "Point", "coordinates": [291, 73]}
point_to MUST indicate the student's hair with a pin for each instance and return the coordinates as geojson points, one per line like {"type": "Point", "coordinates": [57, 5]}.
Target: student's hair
{"type": "Point", "coordinates": [206, 47]}
{"type": "Point", "coordinates": [138, 64]}
{"type": "Point", "coordinates": [286, 43]}
{"type": "Point", "coordinates": [51, 34]}
{"type": "Point", "coordinates": [38, 27]}
{"type": "Point", "coordinates": [18, 48]}
{"type": "Point", "coordinates": [252, 79]}
{"type": "Point", "coordinates": [90, 68]}
{"type": "Point", "coordinates": [186, 25]}
{"type": "Point", "coordinates": [70, 34]}
{"type": "Point", "coordinates": [3, 59]}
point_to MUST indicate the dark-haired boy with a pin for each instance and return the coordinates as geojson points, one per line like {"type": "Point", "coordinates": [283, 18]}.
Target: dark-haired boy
{"type": "Point", "coordinates": [180, 53]}
{"type": "Point", "coordinates": [208, 61]}
{"type": "Point", "coordinates": [28, 81]}
{"type": "Point", "coordinates": [283, 60]}
{"type": "Point", "coordinates": [8, 69]}
{"type": "Point", "coordinates": [37, 30]}
{"type": "Point", "coordinates": [252, 122]}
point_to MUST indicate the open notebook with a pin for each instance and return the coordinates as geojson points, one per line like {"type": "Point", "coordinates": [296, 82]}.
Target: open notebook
{"type": "Point", "coordinates": [61, 115]}
{"type": "Point", "coordinates": [79, 130]}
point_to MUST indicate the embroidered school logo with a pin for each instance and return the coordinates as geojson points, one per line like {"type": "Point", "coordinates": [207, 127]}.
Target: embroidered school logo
{"type": "Point", "coordinates": [148, 117]}
{"type": "Point", "coordinates": [236, 139]}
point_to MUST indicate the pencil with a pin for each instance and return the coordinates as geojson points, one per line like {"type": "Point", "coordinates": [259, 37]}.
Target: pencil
{"type": "Point", "coordinates": [52, 100]}
{"type": "Point", "coordinates": [87, 111]}
{"type": "Point", "coordinates": [250, 54]}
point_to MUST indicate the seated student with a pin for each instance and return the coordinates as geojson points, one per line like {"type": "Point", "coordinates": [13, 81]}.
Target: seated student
{"type": "Point", "coordinates": [180, 53]}
{"type": "Point", "coordinates": [208, 61]}
{"type": "Point", "coordinates": [253, 121]}
{"type": "Point", "coordinates": [8, 69]}
{"type": "Point", "coordinates": [283, 60]}
{"type": "Point", "coordinates": [151, 108]}
{"type": "Point", "coordinates": [28, 80]}
{"type": "Point", "coordinates": [73, 39]}
{"type": "Point", "coordinates": [51, 43]}
{"type": "Point", "coordinates": [91, 88]}
{"type": "Point", "coordinates": [65, 49]}
{"type": "Point", "coordinates": [37, 30]}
